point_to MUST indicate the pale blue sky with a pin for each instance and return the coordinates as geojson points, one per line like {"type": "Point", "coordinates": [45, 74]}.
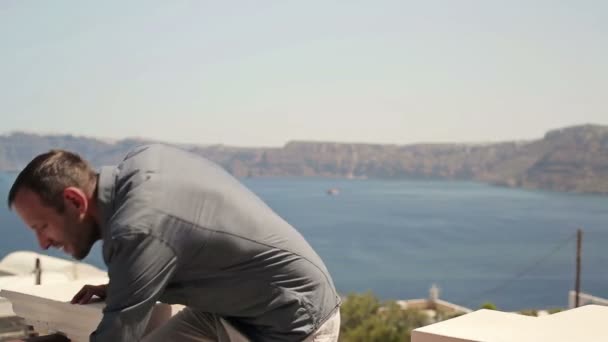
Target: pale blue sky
{"type": "Point", "coordinates": [260, 73]}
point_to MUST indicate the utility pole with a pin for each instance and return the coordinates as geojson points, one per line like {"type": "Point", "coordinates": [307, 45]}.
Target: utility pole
{"type": "Point", "coordinates": [577, 285]}
{"type": "Point", "coordinates": [38, 272]}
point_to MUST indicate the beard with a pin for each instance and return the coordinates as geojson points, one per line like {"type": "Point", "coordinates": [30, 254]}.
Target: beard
{"type": "Point", "coordinates": [82, 251]}
{"type": "Point", "coordinates": [82, 236]}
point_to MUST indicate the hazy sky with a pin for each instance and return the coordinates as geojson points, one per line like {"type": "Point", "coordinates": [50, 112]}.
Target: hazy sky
{"type": "Point", "coordinates": [262, 73]}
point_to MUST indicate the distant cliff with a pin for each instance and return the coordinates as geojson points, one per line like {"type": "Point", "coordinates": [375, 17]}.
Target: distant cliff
{"type": "Point", "coordinates": [569, 159]}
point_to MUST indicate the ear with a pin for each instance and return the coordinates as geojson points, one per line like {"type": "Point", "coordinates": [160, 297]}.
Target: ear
{"type": "Point", "coordinates": [77, 198]}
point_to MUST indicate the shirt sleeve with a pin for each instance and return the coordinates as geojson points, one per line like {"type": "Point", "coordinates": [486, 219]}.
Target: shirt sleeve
{"type": "Point", "coordinates": [140, 267]}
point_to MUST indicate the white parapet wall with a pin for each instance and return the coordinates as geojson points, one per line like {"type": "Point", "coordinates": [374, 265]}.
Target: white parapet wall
{"type": "Point", "coordinates": [584, 299]}
{"type": "Point", "coordinates": [587, 323]}
{"type": "Point", "coordinates": [17, 270]}
{"type": "Point", "coordinates": [23, 263]}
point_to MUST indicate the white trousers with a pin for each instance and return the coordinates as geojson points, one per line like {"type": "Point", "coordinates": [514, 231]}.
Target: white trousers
{"type": "Point", "coordinates": [192, 326]}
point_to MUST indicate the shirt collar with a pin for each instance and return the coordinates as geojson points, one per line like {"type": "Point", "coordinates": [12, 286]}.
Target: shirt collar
{"type": "Point", "coordinates": [105, 194]}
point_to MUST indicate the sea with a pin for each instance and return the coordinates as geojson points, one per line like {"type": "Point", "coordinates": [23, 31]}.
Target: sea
{"type": "Point", "coordinates": [396, 238]}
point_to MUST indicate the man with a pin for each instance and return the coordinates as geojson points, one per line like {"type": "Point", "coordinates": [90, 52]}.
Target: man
{"type": "Point", "coordinates": [178, 229]}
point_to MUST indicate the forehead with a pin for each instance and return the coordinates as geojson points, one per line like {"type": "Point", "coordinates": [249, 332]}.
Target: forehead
{"type": "Point", "coordinates": [29, 206]}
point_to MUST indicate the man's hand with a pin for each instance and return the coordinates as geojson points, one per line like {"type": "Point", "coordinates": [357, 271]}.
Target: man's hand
{"type": "Point", "coordinates": [85, 295]}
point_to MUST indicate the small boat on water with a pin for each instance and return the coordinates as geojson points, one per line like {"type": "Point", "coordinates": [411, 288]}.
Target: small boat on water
{"type": "Point", "coordinates": [333, 191]}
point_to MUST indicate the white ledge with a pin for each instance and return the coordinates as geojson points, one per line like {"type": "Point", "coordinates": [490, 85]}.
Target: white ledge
{"type": "Point", "coordinates": [48, 309]}
{"type": "Point", "coordinates": [585, 323]}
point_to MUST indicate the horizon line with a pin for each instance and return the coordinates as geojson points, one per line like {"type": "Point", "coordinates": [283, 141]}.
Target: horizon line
{"type": "Point", "coordinates": [198, 144]}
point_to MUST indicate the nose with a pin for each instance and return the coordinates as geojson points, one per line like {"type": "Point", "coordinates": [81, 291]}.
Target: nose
{"type": "Point", "coordinates": [43, 241]}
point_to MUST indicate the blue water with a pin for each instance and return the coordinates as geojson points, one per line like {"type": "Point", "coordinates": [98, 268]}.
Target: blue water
{"type": "Point", "coordinates": [513, 247]}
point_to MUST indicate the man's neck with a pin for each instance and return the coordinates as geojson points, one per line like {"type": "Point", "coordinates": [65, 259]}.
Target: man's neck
{"type": "Point", "coordinates": [94, 206]}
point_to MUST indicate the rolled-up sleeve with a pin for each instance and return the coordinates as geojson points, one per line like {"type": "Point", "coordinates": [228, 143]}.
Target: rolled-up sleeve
{"type": "Point", "coordinates": [140, 267]}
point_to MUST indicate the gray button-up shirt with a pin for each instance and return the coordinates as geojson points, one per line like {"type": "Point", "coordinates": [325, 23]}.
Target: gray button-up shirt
{"type": "Point", "coordinates": [178, 229]}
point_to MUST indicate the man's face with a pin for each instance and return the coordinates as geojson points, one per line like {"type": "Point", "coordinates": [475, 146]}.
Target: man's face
{"type": "Point", "coordinates": [74, 231]}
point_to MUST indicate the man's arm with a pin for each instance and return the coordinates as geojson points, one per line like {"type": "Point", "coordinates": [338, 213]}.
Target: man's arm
{"type": "Point", "coordinates": [140, 267]}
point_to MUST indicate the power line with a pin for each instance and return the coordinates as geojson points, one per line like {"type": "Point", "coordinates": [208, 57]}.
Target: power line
{"type": "Point", "coordinates": [524, 271]}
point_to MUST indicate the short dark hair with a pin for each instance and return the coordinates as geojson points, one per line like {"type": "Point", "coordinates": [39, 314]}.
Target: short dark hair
{"type": "Point", "coordinates": [48, 174]}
